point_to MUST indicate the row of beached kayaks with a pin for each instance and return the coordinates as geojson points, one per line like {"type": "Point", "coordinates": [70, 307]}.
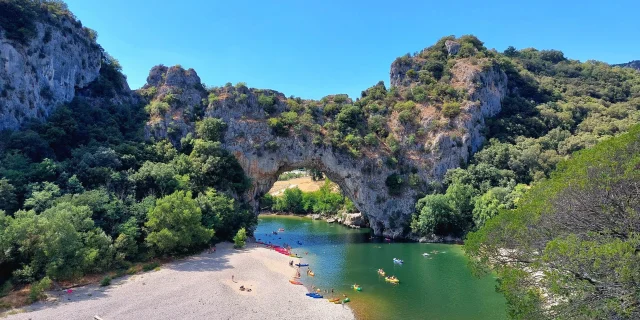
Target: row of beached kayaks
{"type": "Point", "coordinates": [334, 300]}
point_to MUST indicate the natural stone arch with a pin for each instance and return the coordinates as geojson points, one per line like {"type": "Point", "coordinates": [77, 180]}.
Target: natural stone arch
{"type": "Point", "coordinates": [264, 155]}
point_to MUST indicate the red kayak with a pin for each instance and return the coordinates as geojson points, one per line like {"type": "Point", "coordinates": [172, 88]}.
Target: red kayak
{"type": "Point", "coordinates": [295, 282]}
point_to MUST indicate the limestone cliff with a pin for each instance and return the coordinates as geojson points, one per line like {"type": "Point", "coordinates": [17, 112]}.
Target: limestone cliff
{"type": "Point", "coordinates": [38, 74]}
{"type": "Point", "coordinates": [429, 146]}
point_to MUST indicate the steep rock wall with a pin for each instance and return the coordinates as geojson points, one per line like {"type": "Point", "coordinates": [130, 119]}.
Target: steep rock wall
{"type": "Point", "coordinates": [46, 71]}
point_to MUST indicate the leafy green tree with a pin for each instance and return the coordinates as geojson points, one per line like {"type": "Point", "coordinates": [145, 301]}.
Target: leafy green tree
{"type": "Point", "coordinates": [74, 186]}
{"type": "Point", "coordinates": [211, 129]}
{"type": "Point", "coordinates": [489, 204]}
{"type": "Point", "coordinates": [434, 215]}
{"type": "Point", "coordinates": [240, 239]}
{"type": "Point", "coordinates": [61, 243]}
{"type": "Point", "coordinates": [175, 224]}
{"type": "Point", "coordinates": [158, 179]}
{"type": "Point", "coordinates": [8, 197]}
{"type": "Point", "coordinates": [290, 201]}
{"type": "Point", "coordinates": [213, 166]}
{"type": "Point", "coordinates": [223, 214]}
{"type": "Point", "coordinates": [42, 196]}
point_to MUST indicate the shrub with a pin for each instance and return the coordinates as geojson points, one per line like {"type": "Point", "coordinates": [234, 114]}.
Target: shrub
{"type": "Point", "coordinates": [105, 281]}
{"type": "Point", "coordinates": [239, 241]}
{"type": "Point", "coordinates": [267, 103]}
{"type": "Point", "coordinates": [212, 98]}
{"type": "Point", "coordinates": [37, 289]}
{"type": "Point", "coordinates": [395, 184]}
{"type": "Point", "coordinates": [211, 129]}
{"type": "Point", "coordinates": [451, 109]}
{"type": "Point", "coordinates": [157, 108]}
{"type": "Point", "coordinates": [150, 266]}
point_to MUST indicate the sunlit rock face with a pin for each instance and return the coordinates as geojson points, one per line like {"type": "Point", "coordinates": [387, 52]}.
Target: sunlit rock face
{"type": "Point", "coordinates": [46, 71]}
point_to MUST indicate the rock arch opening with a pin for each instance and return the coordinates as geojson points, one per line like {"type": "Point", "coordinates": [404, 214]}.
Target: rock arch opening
{"type": "Point", "coordinates": [311, 192]}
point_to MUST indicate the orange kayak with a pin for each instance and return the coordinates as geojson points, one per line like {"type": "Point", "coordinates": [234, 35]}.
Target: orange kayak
{"type": "Point", "coordinates": [295, 282]}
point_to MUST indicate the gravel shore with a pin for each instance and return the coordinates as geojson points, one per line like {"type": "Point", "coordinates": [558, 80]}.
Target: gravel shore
{"type": "Point", "coordinates": [199, 287]}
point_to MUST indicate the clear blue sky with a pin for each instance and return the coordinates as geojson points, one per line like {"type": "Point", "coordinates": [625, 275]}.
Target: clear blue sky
{"type": "Point", "coordinates": [315, 48]}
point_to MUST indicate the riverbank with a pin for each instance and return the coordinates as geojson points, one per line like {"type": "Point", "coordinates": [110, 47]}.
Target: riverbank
{"type": "Point", "coordinates": [197, 287]}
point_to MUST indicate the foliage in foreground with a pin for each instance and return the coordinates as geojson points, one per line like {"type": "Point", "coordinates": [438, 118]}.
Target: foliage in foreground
{"type": "Point", "coordinates": [570, 250]}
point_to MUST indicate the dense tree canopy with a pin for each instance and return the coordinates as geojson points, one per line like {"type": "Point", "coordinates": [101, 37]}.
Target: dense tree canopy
{"type": "Point", "coordinates": [570, 248]}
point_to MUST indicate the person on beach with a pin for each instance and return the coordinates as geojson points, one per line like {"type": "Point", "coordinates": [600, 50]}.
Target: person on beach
{"type": "Point", "coordinates": [291, 263]}
{"type": "Point", "coordinates": [232, 278]}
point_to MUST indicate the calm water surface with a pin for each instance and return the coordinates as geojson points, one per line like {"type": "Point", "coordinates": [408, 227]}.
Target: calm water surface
{"type": "Point", "coordinates": [436, 287]}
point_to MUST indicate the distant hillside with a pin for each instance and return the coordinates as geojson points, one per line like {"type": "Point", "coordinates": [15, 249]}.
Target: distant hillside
{"type": "Point", "coordinates": [635, 64]}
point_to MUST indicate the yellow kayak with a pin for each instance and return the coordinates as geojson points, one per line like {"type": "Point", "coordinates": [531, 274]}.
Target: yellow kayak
{"type": "Point", "coordinates": [312, 274]}
{"type": "Point", "coordinates": [396, 280]}
{"type": "Point", "coordinates": [357, 288]}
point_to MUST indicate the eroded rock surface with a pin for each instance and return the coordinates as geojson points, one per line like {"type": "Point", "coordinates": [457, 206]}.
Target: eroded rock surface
{"type": "Point", "coordinates": [37, 76]}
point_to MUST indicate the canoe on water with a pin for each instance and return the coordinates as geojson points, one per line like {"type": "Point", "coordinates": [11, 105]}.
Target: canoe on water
{"type": "Point", "coordinates": [388, 279]}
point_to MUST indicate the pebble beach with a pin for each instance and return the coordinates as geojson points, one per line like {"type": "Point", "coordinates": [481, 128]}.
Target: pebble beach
{"type": "Point", "coordinates": [198, 287]}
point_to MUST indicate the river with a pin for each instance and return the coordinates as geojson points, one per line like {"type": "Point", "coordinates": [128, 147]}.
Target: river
{"type": "Point", "coordinates": [438, 286]}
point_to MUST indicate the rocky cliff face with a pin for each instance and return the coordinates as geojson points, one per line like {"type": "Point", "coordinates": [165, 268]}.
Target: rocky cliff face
{"type": "Point", "coordinates": [264, 155]}
{"type": "Point", "coordinates": [183, 92]}
{"type": "Point", "coordinates": [38, 75]}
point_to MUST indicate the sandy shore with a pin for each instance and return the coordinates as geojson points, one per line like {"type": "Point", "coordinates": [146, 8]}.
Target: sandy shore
{"type": "Point", "coordinates": [198, 287]}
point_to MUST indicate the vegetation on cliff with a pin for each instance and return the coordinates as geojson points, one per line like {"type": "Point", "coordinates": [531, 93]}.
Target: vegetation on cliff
{"type": "Point", "coordinates": [555, 106]}
{"type": "Point", "coordinates": [570, 248]}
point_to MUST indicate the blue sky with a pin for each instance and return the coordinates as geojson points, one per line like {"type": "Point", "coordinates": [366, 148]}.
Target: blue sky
{"type": "Point", "coordinates": [315, 48]}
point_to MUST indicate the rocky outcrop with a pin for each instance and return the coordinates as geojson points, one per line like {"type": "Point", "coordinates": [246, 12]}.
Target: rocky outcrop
{"type": "Point", "coordinates": [452, 47]}
{"type": "Point", "coordinates": [352, 220]}
{"type": "Point", "coordinates": [264, 155]}
{"type": "Point", "coordinates": [183, 91]}
{"type": "Point", "coordinates": [37, 76]}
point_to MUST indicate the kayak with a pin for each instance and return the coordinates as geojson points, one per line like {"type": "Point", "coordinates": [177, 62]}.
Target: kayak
{"type": "Point", "coordinates": [343, 301]}
{"type": "Point", "coordinates": [295, 282]}
{"type": "Point", "coordinates": [334, 299]}
{"type": "Point", "coordinates": [398, 261]}
{"type": "Point", "coordinates": [381, 272]}
{"type": "Point", "coordinates": [392, 280]}
{"type": "Point", "coordinates": [357, 288]}
{"type": "Point", "coordinates": [302, 264]}
{"type": "Point", "coordinates": [311, 274]}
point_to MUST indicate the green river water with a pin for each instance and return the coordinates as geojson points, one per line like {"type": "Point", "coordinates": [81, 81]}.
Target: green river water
{"type": "Point", "coordinates": [439, 286]}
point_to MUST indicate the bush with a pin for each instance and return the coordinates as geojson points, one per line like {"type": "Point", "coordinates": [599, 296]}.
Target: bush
{"type": "Point", "coordinates": [157, 108]}
{"type": "Point", "coordinates": [150, 266]}
{"type": "Point", "coordinates": [451, 109]}
{"type": "Point", "coordinates": [37, 289]}
{"type": "Point", "coordinates": [211, 129]}
{"type": "Point", "coordinates": [105, 281]}
{"type": "Point", "coordinates": [395, 184]}
{"type": "Point", "coordinates": [267, 103]}
{"type": "Point", "coordinates": [239, 241]}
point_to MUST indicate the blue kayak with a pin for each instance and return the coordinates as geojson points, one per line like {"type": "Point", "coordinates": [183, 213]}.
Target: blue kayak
{"type": "Point", "coordinates": [302, 264]}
